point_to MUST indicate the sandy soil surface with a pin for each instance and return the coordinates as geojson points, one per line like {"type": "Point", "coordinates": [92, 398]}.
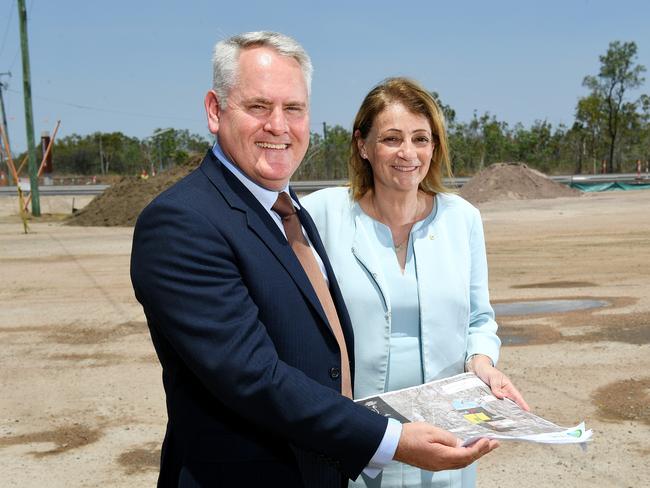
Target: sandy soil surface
{"type": "Point", "coordinates": [512, 181]}
{"type": "Point", "coordinates": [82, 403]}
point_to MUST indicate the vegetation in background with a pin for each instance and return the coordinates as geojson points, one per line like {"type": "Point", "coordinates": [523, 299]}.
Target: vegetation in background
{"type": "Point", "coordinates": [618, 74]}
{"type": "Point", "coordinates": [102, 153]}
{"type": "Point", "coordinates": [609, 127]}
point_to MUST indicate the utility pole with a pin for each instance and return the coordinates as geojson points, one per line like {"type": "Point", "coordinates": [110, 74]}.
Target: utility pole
{"type": "Point", "coordinates": [4, 86]}
{"type": "Point", "coordinates": [326, 154]}
{"type": "Point", "coordinates": [29, 118]}
{"type": "Point", "coordinates": [101, 154]}
{"type": "Point", "coordinates": [156, 134]}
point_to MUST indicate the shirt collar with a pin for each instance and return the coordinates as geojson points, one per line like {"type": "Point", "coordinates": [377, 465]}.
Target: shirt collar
{"type": "Point", "coordinates": [263, 195]}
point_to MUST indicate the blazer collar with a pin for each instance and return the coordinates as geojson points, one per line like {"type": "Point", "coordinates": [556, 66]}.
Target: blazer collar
{"type": "Point", "coordinates": [363, 251]}
{"type": "Point", "coordinates": [261, 223]}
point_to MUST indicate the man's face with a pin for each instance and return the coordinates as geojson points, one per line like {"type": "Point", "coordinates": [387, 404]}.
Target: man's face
{"type": "Point", "coordinates": [265, 127]}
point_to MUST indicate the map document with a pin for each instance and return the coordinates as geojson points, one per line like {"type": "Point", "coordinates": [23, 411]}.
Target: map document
{"type": "Point", "coordinates": [465, 406]}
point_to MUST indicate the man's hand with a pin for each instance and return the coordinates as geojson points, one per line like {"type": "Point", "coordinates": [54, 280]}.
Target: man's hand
{"type": "Point", "coordinates": [498, 382]}
{"type": "Point", "coordinates": [428, 447]}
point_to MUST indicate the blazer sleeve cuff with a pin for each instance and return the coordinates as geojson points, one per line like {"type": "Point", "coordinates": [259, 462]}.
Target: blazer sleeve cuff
{"type": "Point", "coordinates": [386, 450]}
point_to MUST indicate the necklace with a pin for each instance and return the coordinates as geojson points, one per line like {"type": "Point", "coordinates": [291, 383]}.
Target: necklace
{"type": "Point", "coordinates": [397, 247]}
{"type": "Point", "coordinates": [402, 245]}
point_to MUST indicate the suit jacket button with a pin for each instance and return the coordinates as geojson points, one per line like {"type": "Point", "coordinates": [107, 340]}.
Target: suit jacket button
{"type": "Point", "coordinates": [335, 373]}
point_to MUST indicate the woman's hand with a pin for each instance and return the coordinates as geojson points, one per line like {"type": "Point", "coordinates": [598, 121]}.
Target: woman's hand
{"type": "Point", "coordinates": [498, 382]}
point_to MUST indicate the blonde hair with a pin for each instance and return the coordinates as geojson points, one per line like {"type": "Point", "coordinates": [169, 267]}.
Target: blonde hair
{"type": "Point", "coordinates": [415, 99]}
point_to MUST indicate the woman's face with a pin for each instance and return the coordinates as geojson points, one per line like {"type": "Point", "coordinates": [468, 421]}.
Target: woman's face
{"type": "Point", "coordinates": [399, 147]}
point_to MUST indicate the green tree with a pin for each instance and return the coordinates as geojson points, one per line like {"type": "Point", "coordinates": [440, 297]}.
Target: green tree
{"type": "Point", "coordinates": [327, 155]}
{"type": "Point", "coordinates": [479, 142]}
{"type": "Point", "coordinates": [495, 140]}
{"type": "Point", "coordinates": [76, 154]}
{"type": "Point", "coordinates": [170, 147]}
{"type": "Point", "coordinates": [590, 115]}
{"type": "Point", "coordinates": [618, 74]}
{"type": "Point", "coordinates": [644, 136]}
{"type": "Point", "coordinates": [115, 152]}
{"type": "Point", "coordinates": [447, 111]}
{"type": "Point", "coordinates": [337, 149]}
{"type": "Point", "coordinates": [572, 147]}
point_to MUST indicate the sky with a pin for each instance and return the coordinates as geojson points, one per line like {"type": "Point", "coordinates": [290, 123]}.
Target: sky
{"type": "Point", "coordinates": [136, 66]}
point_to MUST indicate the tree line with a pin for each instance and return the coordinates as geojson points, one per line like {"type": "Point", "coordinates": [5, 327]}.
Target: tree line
{"type": "Point", "coordinates": [102, 153]}
{"type": "Point", "coordinates": [610, 130]}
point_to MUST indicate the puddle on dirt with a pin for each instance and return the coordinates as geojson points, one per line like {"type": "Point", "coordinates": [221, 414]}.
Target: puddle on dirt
{"type": "Point", "coordinates": [95, 334]}
{"type": "Point", "coordinates": [546, 306]}
{"type": "Point", "coordinates": [633, 332]}
{"type": "Point", "coordinates": [624, 400]}
{"type": "Point", "coordinates": [556, 284]}
{"type": "Point", "coordinates": [528, 335]}
{"type": "Point", "coordinates": [575, 319]}
{"type": "Point", "coordinates": [514, 340]}
{"type": "Point", "coordinates": [81, 334]}
{"type": "Point", "coordinates": [85, 360]}
{"type": "Point", "coordinates": [629, 333]}
{"type": "Point", "coordinates": [140, 459]}
{"type": "Point", "coordinates": [64, 439]}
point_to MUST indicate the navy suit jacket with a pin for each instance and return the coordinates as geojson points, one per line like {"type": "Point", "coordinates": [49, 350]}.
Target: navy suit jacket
{"type": "Point", "coordinates": [250, 365]}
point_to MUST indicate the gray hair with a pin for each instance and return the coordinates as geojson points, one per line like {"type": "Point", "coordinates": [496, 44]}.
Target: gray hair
{"type": "Point", "coordinates": [226, 56]}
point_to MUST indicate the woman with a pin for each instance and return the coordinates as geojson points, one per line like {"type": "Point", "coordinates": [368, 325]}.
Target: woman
{"type": "Point", "coordinates": [410, 259]}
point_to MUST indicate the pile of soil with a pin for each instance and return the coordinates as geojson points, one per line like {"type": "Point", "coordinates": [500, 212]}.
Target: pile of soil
{"type": "Point", "coordinates": [122, 202]}
{"type": "Point", "coordinates": [512, 181]}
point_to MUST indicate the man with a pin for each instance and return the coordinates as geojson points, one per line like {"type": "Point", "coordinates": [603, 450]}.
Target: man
{"type": "Point", "coordinates": [249, 341]}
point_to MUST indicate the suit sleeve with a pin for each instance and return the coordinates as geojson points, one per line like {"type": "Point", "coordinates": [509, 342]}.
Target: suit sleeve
{"type": "Point", "coordinates": [185, 274]}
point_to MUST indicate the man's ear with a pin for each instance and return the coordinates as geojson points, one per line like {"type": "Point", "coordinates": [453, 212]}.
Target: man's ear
{"type": "Point", "coordinates": [213, 111]}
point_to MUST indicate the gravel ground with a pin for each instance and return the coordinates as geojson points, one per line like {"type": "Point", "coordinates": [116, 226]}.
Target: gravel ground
{"type": "Point", "coordinates": [82, 402]}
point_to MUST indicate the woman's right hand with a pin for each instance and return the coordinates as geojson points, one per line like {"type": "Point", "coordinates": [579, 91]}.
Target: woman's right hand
{"type": "Point", "coordinates": [498, 382]}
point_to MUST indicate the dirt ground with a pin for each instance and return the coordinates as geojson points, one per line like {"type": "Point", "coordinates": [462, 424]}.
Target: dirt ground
{"type": "Point", "coordinates": [82, 404]}
{"type": "Point", "coordinates": [123, 201]}
{"type": "Point", "coordinates": [512, 181]}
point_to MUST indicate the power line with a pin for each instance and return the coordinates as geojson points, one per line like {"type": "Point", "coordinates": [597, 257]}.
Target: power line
{"type": "Point", "coordinates": [29, 15]}
{"type": "Point", "coordinates": [107, 110]}
{"type": "Point", "coordinates": [4, 37]}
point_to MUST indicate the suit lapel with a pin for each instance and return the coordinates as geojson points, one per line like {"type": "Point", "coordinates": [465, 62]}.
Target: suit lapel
{"type": "Point", "coordinates": [261, 224]}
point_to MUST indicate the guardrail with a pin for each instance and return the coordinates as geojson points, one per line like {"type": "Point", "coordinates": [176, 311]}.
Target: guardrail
{"type": "Point", "coordinates": [58, 190]}
{"type": "Point", "coordinates": [309, 186]}
{"type": "Point", "coordinates": [605, 178]}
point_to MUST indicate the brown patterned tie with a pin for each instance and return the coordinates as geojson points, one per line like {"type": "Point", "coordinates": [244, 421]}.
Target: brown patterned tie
{"type": "Point", "coordinates": [292, 227]}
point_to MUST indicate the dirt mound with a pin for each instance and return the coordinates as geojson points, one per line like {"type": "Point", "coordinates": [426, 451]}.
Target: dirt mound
{"type": "Point", "coordinates": [512, 181]}
{"type": "Point", "coordinates": [121, 203]}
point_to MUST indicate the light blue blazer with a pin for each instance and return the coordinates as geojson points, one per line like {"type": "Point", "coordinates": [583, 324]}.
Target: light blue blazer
{"type": "Point", "coordinates": [456, 319]}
